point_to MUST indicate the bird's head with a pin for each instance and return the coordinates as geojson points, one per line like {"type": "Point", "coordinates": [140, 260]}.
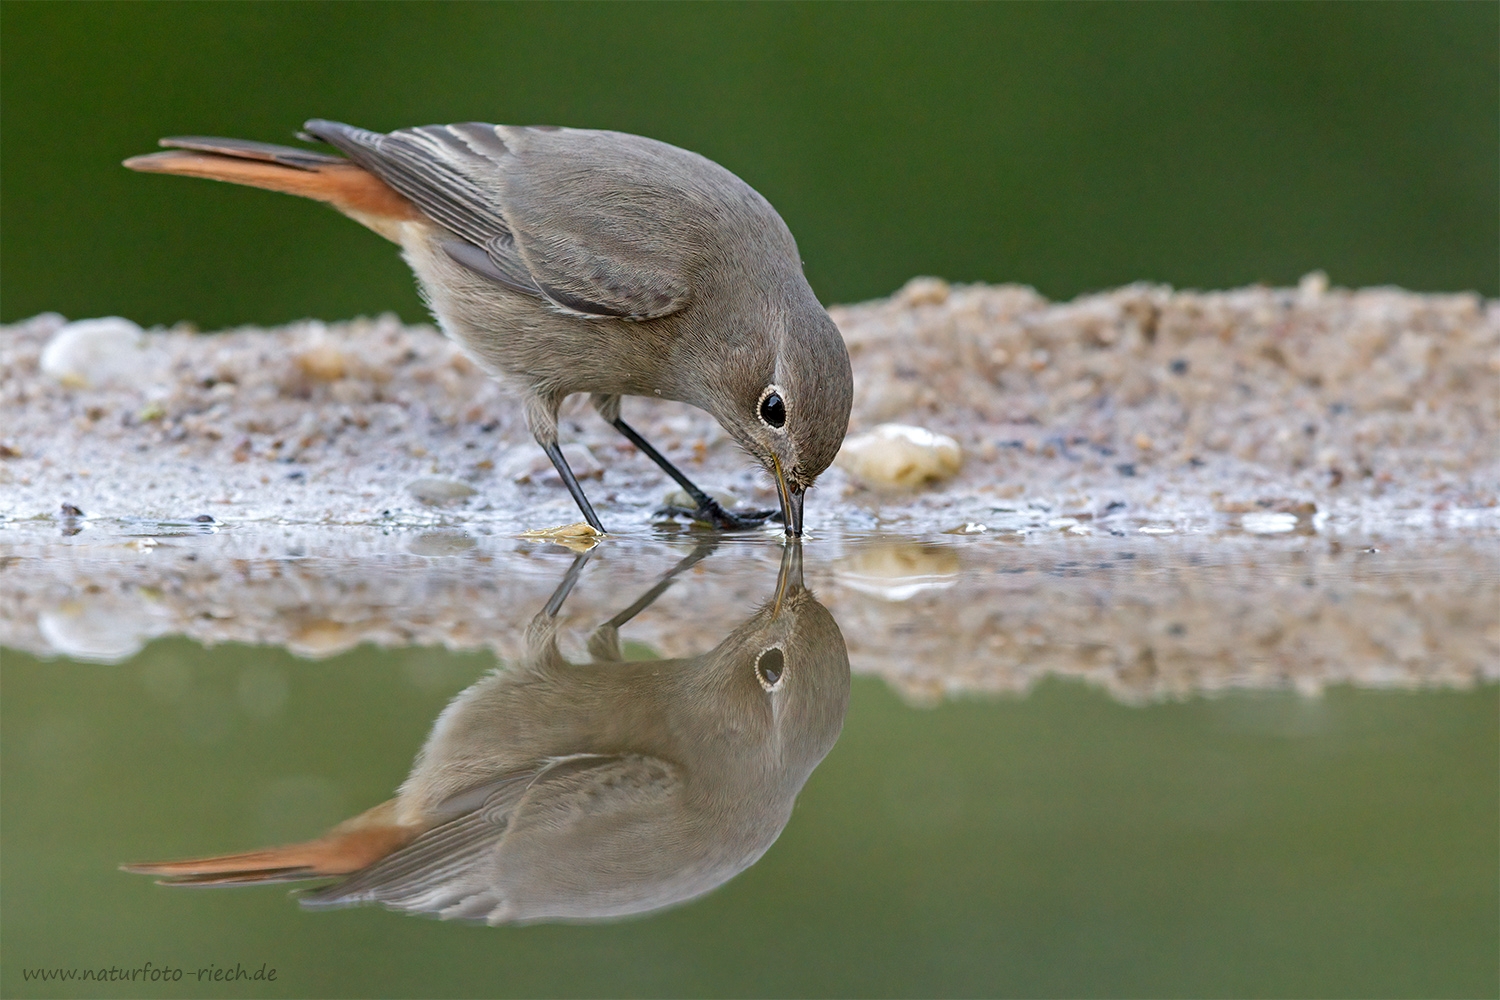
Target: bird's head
{"type": "Point", "coordinates": [784, 392]}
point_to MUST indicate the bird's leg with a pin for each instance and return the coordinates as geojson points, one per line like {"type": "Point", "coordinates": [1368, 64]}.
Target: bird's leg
{"type": "Point", "coordinates": [542, 631]}
{"type": "Point", "coordinates": [569, 581]}
{"type": "Point", "coordinates": [604, 644]}
{"type": "Point", "coordinates": [709, 509]}
{"type": "Point", "coordinates": [571, 482]}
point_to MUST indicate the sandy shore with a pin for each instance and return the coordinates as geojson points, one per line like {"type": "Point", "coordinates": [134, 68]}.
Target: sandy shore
{"type": "Point", "coordinates": [1180, 407]}
{"type": "Point", "coordinates": [1162, 493]}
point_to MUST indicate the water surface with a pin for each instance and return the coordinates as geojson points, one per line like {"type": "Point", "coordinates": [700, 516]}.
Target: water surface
{"type": "Point", "coordinates": [1129, 764]}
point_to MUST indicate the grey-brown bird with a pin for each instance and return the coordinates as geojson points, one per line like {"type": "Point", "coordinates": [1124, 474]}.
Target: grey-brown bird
{"type": "Point", "coordinates": [572, 260]}
{"type": "Point", "coordinates": [552, 790]}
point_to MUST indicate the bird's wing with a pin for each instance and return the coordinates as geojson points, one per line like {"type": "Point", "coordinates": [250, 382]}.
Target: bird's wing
{"type": "Point", "coordinates": [580, 219]}
{"type": "Point", "coordinates": [452, 869]}
{"type": "Point", "coordinates": [421, 875]}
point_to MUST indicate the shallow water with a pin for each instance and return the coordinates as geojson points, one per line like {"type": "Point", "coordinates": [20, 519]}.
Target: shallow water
{"type": "Point", "coordinates": [1135, 762]}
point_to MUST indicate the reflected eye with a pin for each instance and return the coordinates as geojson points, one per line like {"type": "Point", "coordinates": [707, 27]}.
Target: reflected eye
{"type": "Point", "coordinates": [772, 409]}
{"type": "Point", "coordinates": [769, 668]}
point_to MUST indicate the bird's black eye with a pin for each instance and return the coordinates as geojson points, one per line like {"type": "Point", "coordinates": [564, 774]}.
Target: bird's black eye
{"type": "Point", "coordinates": [769, 668]}
{"type": "Point", "coordinates": [772, 409]}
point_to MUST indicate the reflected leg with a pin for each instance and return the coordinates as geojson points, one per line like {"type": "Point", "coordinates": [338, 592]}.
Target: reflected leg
{"type": "Point", "coordinates": [569, 581]}
{"type": "Point", "coordinates": [604, 644]}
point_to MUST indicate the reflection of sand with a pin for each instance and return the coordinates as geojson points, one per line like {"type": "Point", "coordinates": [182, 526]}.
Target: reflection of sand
{"type": "Point", "coordinates": [1109, 443]}
{"type": "Point", "coordinates": [1146, 617]}
{"type": "Point", "coordinates": [1184, 407]}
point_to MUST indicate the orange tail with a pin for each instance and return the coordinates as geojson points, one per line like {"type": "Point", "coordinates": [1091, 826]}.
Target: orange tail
{"type": "Point", "coordinates": [347, 848]}
{"type": "Point", "coordinates": [351, 189]}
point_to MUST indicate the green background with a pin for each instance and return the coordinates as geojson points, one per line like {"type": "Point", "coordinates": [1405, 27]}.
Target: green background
{"type": "Point", "coordinates": [1053, 843]}
{"type": "Point", "coordinates": [1057, 845]}
{"type": "Point", "coordinates": [1060, 844]}
{"type": "Point", "coordinates": [1071, 147]}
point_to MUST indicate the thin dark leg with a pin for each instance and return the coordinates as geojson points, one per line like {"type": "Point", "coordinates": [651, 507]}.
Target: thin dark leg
{"type": "Point", "coordinates": [604, 643]}
{"type": "Point", "coordinates": [707, 505]}
{"type": "Point", "coordinates": [569, 581]}
{"type": "Point", "coordinates": [645, 600]}
{"type": "Point", "coordinates": [571, 482]}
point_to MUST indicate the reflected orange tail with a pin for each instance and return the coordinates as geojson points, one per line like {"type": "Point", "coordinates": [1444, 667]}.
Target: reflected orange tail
{"type": "Point", "coordinates": [348, 847]}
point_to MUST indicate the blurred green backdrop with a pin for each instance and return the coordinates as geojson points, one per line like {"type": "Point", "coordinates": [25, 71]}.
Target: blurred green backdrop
{"type": "Point", "coordinates": [1071, 147]}
{"type": "Point", "coordinates": [1254, 845]}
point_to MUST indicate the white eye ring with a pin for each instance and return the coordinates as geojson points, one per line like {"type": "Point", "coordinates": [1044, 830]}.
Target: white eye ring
{"type": "Point", "coordinates": [771, 406]}
{"type": "Point", "coordinates": [771, 674]}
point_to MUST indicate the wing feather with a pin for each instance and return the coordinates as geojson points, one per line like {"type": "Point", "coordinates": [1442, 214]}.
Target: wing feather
{"type": "Point", "coordinates": [456, 871]}
{"type": "Point", "coordinates": [580, 219]}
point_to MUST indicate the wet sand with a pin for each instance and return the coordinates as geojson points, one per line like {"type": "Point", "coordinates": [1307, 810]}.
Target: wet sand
{"type": "Point", "coordinates": [1369, 404]}
{"type": "Point", "coordinates": [1146, 617]}
{"type": "Point", "coordinates": [1164, 493]}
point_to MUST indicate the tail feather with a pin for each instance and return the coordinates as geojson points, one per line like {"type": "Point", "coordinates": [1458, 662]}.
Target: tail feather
{"type": "Point", "coordinates": [248, 149]}
{"type": "Point", "coordinates": [347, 848]}
{"type": "Point", "coordinates": [341, 183]}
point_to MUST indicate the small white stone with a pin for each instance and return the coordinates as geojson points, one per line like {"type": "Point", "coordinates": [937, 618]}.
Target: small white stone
{"type": "Point", "coordinates": [439, 490]}
{"type": "Point", "coordinates": [1268, 522]}
{"type": "Point", "coordinates": [1314, 285]}
{"type": "Point", "coordinates": [95, 352]}
{"type": "Point", "coordinates": [680, 498]}
{"type": "Point", "coordinates": [98, 632]}
{"type": "Point", "coordinates": [901, 457]}
{"type": "Point", "coordinates": [898, 571]}
{"type": "Point", "coordinates": [924, 292]}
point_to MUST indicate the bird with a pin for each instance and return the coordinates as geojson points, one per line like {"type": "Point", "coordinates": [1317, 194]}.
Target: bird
{"type": "Point", "coordinates": [554, 790]}
{"type": "Point", "coordinates": [568, 260]}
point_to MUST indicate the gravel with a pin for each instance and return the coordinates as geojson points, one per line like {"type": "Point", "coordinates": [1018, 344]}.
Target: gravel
{"type": "Point", "coordinates": [1184, 406]}
{"type": "Point", "coordinates": [1160, 492]}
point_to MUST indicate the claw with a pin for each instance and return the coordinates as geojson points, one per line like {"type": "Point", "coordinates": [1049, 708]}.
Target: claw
{"type": "Point", "coordinates": [725, 520]}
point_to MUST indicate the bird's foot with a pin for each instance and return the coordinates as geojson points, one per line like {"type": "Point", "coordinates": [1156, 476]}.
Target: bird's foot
{"type": "Point", "coordinates": [716, 514]}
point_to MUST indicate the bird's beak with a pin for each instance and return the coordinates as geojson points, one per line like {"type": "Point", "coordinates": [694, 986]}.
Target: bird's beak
{"type": "Point", "coordinates": [789, 579]}
{"type": "Point", "coordinates": [791, 501]}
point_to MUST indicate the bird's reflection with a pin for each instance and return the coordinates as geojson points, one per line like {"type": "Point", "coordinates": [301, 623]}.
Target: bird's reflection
{"type": "Point", "coordinates": [554, 790]}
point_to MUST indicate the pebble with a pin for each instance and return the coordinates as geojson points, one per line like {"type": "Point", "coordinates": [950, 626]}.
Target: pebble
{"type": "Point", "coordinates": [924, 292]}
{"type": "Point", "coordinates": [440, 543]}
{"type": "Point", "coordinates": [898, 571]}
{"type": "Point", "coordinates": [97, 631]}
{"type": "Point", "coordinates": [95, 352]}
{"type": "Point", "coordinates": [680, 498]}
{"type": "Point", "coordinates": [1268, 522]}
{"type": "Point", "coordinates": [322, 638]}
{"type": "Point", "coordinates": [578, 536]}
{"type": "Point", "coordinates": [322, 362]}
{"type": "Point", "coordinates": [439, 490]}
{"type": "Point", "coordinates": [900, 456]}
